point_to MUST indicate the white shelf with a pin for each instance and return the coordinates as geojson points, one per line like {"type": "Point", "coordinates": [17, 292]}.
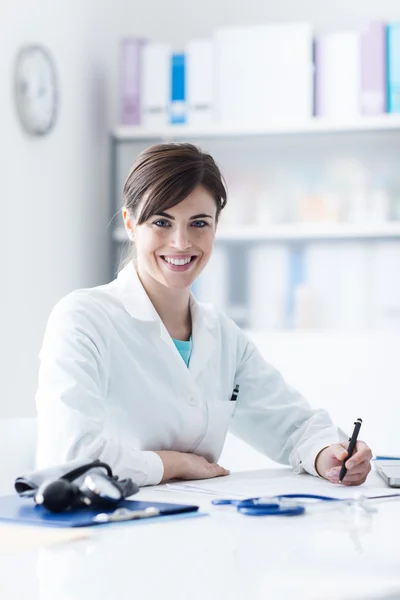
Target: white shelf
{"type": "Point", "coordinates": [297, 232]}
{"type": "Point", "coordinates": [316, 125]}
{"type": "Point", "coordinates": [318, 231]}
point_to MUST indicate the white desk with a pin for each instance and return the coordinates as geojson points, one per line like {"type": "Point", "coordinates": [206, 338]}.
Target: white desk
{"type": "Point", "coordinates": [330, 555]}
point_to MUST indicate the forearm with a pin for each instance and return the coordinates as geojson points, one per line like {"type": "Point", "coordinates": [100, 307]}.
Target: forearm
{"type": "Point", "coordinates": [181, 465]}
{"type": "Point", "coordinates": [174, 464]}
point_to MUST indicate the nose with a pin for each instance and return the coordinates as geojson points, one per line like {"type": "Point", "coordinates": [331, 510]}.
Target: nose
{"type": "Point", "coordinates": [181, 238]}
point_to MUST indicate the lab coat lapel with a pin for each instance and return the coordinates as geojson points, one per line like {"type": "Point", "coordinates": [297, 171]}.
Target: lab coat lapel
{"type": "Point", "coordinates": [204, 337]}
{"type": "Point", "coordinates": [139, 306]}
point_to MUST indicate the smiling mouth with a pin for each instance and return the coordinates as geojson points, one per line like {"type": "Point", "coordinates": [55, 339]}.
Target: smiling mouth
{"type": "Point", "coordinates": [180, 267]}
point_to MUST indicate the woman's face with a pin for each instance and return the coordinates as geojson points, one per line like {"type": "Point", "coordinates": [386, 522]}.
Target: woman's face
{"type": "Point", "coordinates": [173, 247]}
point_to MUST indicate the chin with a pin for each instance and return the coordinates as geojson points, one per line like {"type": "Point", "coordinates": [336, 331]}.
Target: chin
{"type": "Point", "coordinates": [174, 284]}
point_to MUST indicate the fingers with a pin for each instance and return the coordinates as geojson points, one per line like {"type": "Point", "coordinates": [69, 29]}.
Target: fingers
{"type": "Point", "coordinates": [354, 476]}
{"type": "Point", "coordinates": [354, 482]}
{"type": "Point", "coordinates": [362, 454]}
{"type": "Point", "coordinates": [360, 469]}
{"type": "Point", "coordinates": [198, 467]}
{"type": "Point", "coordinates": [219, 471]}
{"type": "Point", "coordinates": [339, 451]}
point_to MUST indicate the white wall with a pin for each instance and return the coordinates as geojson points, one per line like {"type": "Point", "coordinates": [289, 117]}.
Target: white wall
{"type": "Point", "coordinates": [177, 21]}
{"type": "Point", "coordinates": [54, 191]}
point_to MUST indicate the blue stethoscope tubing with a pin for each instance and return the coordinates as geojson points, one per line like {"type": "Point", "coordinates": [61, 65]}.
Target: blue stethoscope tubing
{"type": "Point", "coordinates": [259, 507]}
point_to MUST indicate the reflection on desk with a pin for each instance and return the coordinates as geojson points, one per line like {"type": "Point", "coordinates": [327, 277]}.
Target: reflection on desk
{"type": "Point", "coordinates": [332, 555]}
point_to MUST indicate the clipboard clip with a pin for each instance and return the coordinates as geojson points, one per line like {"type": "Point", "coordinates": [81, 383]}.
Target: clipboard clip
{"type": "Point", "coordinates": [124, 514]}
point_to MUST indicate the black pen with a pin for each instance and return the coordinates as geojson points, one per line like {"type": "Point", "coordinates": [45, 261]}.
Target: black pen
{"type": "Point", "coordinates": [350, 449]}
{"type": "Point", "coordinates": [235, 393]}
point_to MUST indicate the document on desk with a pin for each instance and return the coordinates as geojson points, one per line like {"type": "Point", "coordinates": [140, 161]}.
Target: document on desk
{"type": "Point", "coordinates": [240, 485]}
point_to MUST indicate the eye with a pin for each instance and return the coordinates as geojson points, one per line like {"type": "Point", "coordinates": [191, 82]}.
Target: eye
{"type": "Point", "coordinates": [161, 223]}
{"type": "Point", "coordinates": [200, 224]}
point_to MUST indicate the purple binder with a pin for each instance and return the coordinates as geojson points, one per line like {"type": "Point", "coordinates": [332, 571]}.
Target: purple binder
{"type": "Point", "coordinates": [373, 68]}
{"type": "Point", "coordinates": [131, 51]}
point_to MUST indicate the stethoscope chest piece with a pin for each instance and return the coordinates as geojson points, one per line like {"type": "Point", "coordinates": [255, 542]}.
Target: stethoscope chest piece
{"type": "Point", "coordinates": [292, 511]}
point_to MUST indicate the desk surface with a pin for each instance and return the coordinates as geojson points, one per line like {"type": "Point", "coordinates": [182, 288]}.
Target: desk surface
{"type": "Point", "coordinates": [335, 555]}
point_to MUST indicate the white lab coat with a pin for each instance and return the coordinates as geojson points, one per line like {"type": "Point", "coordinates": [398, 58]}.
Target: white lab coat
{"type": "Point", "coordinates": [112, 385]}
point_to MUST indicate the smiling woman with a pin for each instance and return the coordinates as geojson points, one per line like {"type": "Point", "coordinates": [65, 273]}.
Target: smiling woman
{"type": "Point", "coordinates": [140, 375]}
{"type": "Point", "coordinates": [172, 197]}
{"type": "Point", "coordinates": [179, 241]}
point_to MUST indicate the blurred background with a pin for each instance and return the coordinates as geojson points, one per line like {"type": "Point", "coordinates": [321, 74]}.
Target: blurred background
{"type": "Point", "coordinates": [298, 102]}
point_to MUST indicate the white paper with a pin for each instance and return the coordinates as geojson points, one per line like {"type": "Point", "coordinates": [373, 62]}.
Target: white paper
{"type": "Point", "coordinates": [238, 485]}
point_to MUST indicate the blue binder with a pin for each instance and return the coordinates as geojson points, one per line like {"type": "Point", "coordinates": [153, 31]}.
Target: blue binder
{"type": "Point", "coordinates": [24, 511]}
{"type": "Point", "coordinates": [393, 67]}
{"type": "Point", "coordinates": [178, 90]}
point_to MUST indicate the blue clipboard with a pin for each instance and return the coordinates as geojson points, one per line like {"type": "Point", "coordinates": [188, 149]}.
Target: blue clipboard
{"type": "Point", "coordinates": [23, 511]}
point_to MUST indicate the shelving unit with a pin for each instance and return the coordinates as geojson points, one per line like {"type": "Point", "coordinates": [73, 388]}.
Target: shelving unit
{"type": "Point", "coordinates": [373, 139]}
{"type": "Point", "coordinates": [124, 135]}
{"type": "Point", "coordinates": [317, 125]}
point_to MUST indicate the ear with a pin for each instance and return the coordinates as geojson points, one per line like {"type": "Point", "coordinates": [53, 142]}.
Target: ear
{"type": "Point", "coordinates": [128, 223]}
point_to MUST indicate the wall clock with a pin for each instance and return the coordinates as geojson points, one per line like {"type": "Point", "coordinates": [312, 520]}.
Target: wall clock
{"type": "Point", "coordinates": [36, 90]}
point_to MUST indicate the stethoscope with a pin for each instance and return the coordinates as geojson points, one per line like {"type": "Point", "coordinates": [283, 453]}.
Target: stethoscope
{"type": "Point", "coordinates": [283, 505]}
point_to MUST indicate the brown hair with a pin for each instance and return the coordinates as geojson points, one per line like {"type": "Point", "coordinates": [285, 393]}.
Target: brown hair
{"type": "Point", "coordinates": [165, 174]}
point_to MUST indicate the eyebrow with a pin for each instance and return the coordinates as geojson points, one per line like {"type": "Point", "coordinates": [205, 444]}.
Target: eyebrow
{"type": "Point", "coordinates": [200, 216]}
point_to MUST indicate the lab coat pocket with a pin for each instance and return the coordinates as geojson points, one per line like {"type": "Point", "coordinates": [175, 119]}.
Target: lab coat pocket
{"type": "Point", "coordinates": [220, 414]}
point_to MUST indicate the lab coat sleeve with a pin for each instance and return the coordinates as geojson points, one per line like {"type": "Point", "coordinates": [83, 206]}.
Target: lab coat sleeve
{"type": "Point", "coordinates": [70, 400]}
{"type": "Point", "coordinates": [274, 418]}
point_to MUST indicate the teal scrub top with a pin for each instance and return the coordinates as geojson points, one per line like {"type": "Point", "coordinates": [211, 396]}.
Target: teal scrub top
{"type": "Point", "coordinates": [184, 349]}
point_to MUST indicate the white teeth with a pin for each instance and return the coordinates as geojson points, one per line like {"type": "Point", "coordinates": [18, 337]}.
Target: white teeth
{"type": "Point", "coordinates": [177, 261]}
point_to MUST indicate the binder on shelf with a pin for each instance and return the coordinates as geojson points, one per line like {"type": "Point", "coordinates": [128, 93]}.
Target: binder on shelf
{"type": "Point", "coordinates": [338, 74]}
{"type": "Point", "coordinates": [268, 279]}
{"type": "Point", "coordinates": [178, 90]}
{"type": "Point", "coordinates": [373, 68]}
{"type": "Point", "coordinates": [338, 275]}
{"type": "Point", "coordinates": [200, 69]}
{"type": "Point", "coordinates": [276, 64]}
{"type": "Point", "coordinates": [385, 289]}
{"type": "Point", "coordinates": [212, 285]}
{"type": "Point", "coordinates": [130, 76]}
{"type": "Point", "coordinates": [296, 279]}
{"type": "Point", "coordinates": [155, 84]}
{"type": "Point", "coordinates": [393, 70]}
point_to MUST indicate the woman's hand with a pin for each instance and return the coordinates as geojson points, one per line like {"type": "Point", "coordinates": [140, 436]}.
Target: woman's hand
{"type": "Point", "coordinates": [329, 462]}
{"type": "Point", "coordinates": [180, 465]}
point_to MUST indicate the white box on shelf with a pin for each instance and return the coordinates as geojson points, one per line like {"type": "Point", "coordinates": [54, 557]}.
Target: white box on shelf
{"type": "Point", "coordinates": [338, 74]}
{"type": "Point", "coordinates": [200, 81]}
{"type": "Point", "coordinates": [155, 85]}
{"type": "Point", "coordinates": [264, 73]}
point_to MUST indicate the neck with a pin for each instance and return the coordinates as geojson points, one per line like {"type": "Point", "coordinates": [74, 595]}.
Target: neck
{"type": "Point", "coordinates": [172, 306]}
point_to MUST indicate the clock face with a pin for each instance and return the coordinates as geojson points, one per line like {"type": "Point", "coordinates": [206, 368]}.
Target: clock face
{"type": "Point", "coordinates": [36, 90]}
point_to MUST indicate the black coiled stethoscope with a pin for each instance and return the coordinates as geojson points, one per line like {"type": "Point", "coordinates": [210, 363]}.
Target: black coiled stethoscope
{"type": "Point", "coordinates": [98, 490]}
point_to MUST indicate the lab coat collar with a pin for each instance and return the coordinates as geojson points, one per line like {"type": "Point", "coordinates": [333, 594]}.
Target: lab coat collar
{"type": "Point", "coordinates": [133, 295]}
{"type": "Point", "coordinates": [139, 306]}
